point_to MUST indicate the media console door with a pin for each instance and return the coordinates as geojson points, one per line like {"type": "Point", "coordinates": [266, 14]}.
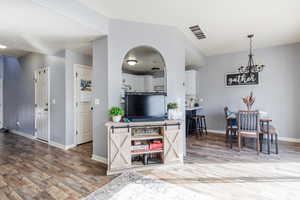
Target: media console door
{"type": "Point", "coordinates": [119, 142]}
{"type": "Point", "coordinates": [172, 144]}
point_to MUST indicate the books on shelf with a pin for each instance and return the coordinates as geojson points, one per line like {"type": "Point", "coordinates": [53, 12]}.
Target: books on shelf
{"type": "Point", "coordinates": [147, 147]}
{"type": "Point", "coordinates": [142, 147]}
{"type": "Point", "coordinates": [156, 146]}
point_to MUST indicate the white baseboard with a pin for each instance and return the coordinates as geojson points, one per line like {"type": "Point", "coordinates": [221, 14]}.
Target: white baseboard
{"type": "Point", "coordinates": [32, 137]}
{"type": "Point", "coordinates": [99, 159]}
{"type": "Point", "coordinates": [61, 146]}
{"type": "Point", "coordinates": [58, 145]}
{"type": "Point", "coordinates": [286, 139]}
{"type": "Point", "coordinates": [69, 146]}
{"type": "Point", "coordinates": [216, 131]}
{"type": "Point", "coordinates": [27, 135]}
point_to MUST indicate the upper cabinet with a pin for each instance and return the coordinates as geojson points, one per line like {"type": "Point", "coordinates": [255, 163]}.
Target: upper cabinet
{"type": "Point", "coordinates": [142, 83]}
{"type": "Point", "coordinates": [190, 82]}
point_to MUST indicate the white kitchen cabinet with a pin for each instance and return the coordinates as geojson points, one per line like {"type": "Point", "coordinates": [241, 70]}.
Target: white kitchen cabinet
{"type": "Point", "coordinates": [135, 82]}
{"type": "Point", "coordinates": [148, 83]}
{"type": "Point", "coordinates": [142, 83]}
{"type": "Point", "coordinates": [190, 82]}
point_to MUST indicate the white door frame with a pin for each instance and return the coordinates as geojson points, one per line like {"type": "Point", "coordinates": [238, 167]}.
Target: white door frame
{"type": "Point", "coordinates": [75, 67]}
{"type": "Point", "coordinates": [49, 102]}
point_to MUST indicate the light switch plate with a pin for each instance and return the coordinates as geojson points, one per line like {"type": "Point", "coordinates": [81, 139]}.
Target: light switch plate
{"type": "Point", "coordinates": [53, 101]}
{"type": "Point", "coordinates": [97, 101]}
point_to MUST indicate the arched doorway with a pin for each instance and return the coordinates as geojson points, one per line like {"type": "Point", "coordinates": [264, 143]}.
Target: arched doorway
{"type": "Point", "coordinates": [144, 70]}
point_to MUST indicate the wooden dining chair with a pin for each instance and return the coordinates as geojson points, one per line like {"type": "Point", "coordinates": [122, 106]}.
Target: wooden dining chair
{"type": "Point", "coordinates": [267, 129]}
{"type": "Point", "coordinates": [248, 127]}
{"type": "Point", "coordinates": [231, 127]}
{"type": "Point", "coordinates": [226, 119]}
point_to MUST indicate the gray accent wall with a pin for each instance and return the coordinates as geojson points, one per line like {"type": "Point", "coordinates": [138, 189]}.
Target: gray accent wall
{"type": "Point", "coordinates": [57, 93]}
{"type": "Point", "coordinates": [123, 36]}
{"type": "Point", "coordinates": [72, 58]}
{"type": "Point", "coordinates": [100, 91]}
{"type": "Point", "coordinates": [18, 93]}
{"type": "Point", "coordinates": [278, 92]}
{"type": "Point", "coordinates": [12, 71]}
{"type": "Point", "coordinates": [1, 66]}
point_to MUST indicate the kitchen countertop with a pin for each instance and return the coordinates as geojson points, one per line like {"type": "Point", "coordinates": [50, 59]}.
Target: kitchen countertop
{"type": "Point", "coordinates": [194, 108]}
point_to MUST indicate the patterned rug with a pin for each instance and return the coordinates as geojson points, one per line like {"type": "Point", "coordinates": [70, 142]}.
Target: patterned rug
{"type": "Point", "coordinates": [135, 186]}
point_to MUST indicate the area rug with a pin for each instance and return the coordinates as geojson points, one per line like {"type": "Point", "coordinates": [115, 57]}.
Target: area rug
{"type": "Point", "coordinates": [135, 186]}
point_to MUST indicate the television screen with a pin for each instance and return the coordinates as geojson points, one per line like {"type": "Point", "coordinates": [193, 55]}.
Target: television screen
{"type": "Point", "coordinates": [145, 106]}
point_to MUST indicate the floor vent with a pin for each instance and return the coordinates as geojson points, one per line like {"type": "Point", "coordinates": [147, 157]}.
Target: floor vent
{"type": "Point", "coordinates": [198, 32]}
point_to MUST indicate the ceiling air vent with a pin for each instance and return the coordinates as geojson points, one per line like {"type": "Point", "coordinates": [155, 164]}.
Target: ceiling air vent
{"type": "Point", "coordinates": [197, 32]}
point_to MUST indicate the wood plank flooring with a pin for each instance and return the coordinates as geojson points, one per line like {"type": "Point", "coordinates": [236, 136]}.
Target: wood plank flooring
{"type": "Point", "coordinates": [212, 168]}
{"type": "Point", "coordinates": [33, 170]}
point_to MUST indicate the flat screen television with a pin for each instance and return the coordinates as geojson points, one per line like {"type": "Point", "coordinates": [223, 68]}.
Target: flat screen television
{"type": "Point", "coordinates": [145, 106]}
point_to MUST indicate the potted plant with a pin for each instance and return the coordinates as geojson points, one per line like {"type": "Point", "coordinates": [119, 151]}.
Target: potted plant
{"type": "Point", "coordinates": [172, 110]}
{"type": "Point", "coordinates": [116, 113]}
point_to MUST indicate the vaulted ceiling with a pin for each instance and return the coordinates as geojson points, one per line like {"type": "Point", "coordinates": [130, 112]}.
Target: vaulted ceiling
{"type": "Point", "coordinates": [225, 23]}
{"type": "Point", "coordinates": [27, 25]}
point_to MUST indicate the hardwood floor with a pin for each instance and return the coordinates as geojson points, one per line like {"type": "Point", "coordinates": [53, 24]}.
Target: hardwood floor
{"type": "Point", "coordinates": [212, 168]}
{"type": "Point", "coordinates": [33, 170]}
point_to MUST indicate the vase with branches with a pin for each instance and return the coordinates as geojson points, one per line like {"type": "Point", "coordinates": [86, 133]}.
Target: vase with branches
{"type": "Point", "coordinates": [249, 101]}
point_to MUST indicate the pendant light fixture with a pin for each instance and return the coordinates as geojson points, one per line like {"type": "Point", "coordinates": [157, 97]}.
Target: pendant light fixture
{"type": "Point", "coordinates": [251, 67]}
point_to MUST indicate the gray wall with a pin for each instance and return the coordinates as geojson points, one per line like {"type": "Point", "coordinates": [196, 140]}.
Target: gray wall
{"type": "Point", "coordinates": [1, 66]}
{"type": "Point", "coordinates": [100, 91]}
{"type": "Point", "coordinates": [71, 59]}
{"type": "Point", "coordinates": [19, 93]}
{"type": "Point", "coordinates": [278, 92]}
{"type": "Point", "coordinates": [57, 93]}
{"type": "Point", "coordinates": [123, 36]}
{"type": "Point", "coordinates": [12, 71]}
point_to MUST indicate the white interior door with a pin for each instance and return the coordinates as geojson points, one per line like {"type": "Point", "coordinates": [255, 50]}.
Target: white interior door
{"type": "Point", "coordinates": [83, 103]}
{"type": "Point", "coordinates": [41, 104]}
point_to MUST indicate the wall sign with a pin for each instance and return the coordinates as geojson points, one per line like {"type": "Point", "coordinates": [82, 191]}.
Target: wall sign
{"type": "Point", "coordinates": [236, 79]}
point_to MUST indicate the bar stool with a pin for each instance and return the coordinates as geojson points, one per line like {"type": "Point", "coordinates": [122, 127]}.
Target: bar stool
{"type": "Point", "coordinates": [202, 124]}
{"type": "Point", "coordinates": [193, 120]}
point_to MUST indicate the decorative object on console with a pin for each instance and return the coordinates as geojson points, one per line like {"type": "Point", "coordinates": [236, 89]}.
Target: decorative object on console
{"type": "Point", "coordinates": [249, 101]}
{"type": "Point", "coordinates": [116, 113]}
{"type": "Point", "coordinates": [172, 111]}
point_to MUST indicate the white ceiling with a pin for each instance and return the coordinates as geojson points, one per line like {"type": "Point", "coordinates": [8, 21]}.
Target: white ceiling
{"type": "Point", "coordinates": [27, 26]}
{"type": "Point", "coordinates": [225, 22]}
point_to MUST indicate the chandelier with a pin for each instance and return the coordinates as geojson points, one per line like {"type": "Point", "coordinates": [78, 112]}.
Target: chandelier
{"type": "Point", "coordinates": [251, 67]}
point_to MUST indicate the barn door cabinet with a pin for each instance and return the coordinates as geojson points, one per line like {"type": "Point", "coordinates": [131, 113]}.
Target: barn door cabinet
{"type": "Point", "coordinates": [119, 153]}
{"type": "Point", "coordinates": [172, 144]}
{"type": "Point", "coordinates": [122, 137]}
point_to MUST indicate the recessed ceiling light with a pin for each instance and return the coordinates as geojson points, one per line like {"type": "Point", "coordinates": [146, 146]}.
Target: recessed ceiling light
{"type": "Point", "coordinates": [2, 46]}
{"type": "Point", "coordinates": [132, 62]}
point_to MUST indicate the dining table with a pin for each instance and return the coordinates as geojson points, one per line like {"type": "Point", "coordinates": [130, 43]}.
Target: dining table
{"type": "Point", "coordinates": [265, 128]}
